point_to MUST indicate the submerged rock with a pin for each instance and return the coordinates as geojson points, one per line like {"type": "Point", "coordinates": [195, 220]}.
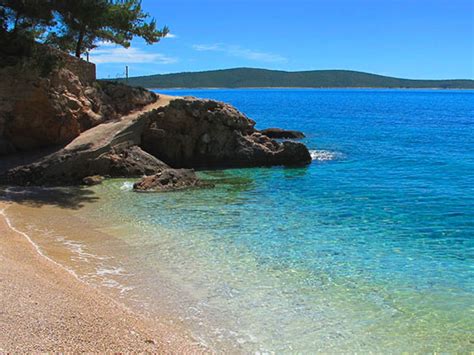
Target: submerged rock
{"type": "Point", "coordinates": [279, 133]}
{"type": "Point", "coordinates": [169, 180]}
{"type": "Point", "coordinates": [93, 180]}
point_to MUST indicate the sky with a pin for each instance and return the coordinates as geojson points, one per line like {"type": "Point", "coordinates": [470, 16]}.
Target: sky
{"type": "Point", "coordinates": [416, 39]}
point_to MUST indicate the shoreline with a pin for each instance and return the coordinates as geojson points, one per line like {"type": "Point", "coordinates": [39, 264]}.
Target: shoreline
{"type": "Point", "coordinates": [310, 88]}
{"type": "Point", "coordinates": [47, 307]}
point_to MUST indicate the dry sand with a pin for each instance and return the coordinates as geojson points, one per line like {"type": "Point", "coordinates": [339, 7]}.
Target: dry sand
{"type": "Point", "coordinates": [44, 307]}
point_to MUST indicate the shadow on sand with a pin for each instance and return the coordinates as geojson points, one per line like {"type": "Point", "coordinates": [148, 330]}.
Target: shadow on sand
{"type": "Point", "coordinates": [63, 197]}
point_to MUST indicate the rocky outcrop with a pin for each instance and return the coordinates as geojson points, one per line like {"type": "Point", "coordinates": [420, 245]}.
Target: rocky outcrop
{"type": "Point", "coordinates": [110, 149]}
{"type": "Point", "coordinates": [195, 133]}
{"type": "Point", "coordinates": [279, 133]}
{"type": "Point", "coordinates": [71, 167]}
{"type": "Point", "coordinates": [169, 180]}
{"type": "Point", "coordinates": [178, 132]}
{"type": "Point", "coordinates": [37, 111]}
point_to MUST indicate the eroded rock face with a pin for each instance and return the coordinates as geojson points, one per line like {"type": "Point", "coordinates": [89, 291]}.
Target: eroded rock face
{"type": "Point", "coordinates": [186, 133]}
{"type": "Point", "coordinates": [40, 111]}
{"type": "Point", "coordinates": [279, 133]}
{"type": "Point", "coordinates": [169, 180]}
{"type": "Point", "coordinates": [193, 133]}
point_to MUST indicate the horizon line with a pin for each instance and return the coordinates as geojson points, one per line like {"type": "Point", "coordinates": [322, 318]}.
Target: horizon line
{"type": "Point", "coordinates": [283, 71]}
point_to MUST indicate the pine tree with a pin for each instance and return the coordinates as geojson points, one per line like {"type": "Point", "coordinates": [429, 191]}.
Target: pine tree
{"type": "Point", "coordinates": [82, 23]}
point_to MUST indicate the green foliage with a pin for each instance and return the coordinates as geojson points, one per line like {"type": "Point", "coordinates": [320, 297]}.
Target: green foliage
{"type": "Point", "coordinates": [27, 17]}
{"type": "Point", "coordinates": [85, 22]}
{"type": "Point", "coordinates": [21, 23]}
{"type": "Point", "coordinates": [73, 25]}
{"type": "Point", "coordinates": [248, 77]}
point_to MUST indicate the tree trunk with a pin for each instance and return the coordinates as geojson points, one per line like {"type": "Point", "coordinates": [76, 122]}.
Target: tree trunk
{"type": "Point", "coordinates": [79, 44]}
{"type": "Point", "coordinates": [17, 18]}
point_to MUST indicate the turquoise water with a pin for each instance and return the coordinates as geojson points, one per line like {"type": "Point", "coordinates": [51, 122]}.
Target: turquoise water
{"type": "Point", "coordinates": [369, 248]}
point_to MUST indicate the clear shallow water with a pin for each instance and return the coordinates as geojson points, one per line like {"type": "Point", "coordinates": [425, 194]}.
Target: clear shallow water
{"type": "Point", "coordinates": [369, 248]}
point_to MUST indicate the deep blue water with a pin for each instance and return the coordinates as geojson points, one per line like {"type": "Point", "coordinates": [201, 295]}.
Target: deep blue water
{"type": "Point", "coordinates": [370, 247]}
{"type": "Point", "coordinates": [402, 174]}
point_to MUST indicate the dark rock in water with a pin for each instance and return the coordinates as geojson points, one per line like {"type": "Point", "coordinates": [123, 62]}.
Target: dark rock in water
{"type": "Point", "coordinates": [279, 133]}
{"type": "Point", "coordinates": [169, 180]}
{"type": "Point", "coordinates": [93, 180]}
{"type": "Point", "coordinates": [194, 133]}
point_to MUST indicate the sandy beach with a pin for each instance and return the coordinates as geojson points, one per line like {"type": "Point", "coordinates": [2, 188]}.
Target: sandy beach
{"type": "Point", "coordinates": [45, 307]}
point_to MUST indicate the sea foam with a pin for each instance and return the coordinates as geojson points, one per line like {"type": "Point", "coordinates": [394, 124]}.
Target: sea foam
{"type": "Point", "coordinates": [127, 186]}
{"type": "Point", "coordinates": [323, 155]}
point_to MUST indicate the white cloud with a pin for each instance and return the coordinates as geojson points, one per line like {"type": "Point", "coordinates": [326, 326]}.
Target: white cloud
{"type": "Point", "coordinates": [208, 47]}
{"type": "Point", "coordinates": [171, 35]}
{"type": "Point", "coordinates": [105, 44]}
{"type": "Point", "coordinates": [238, 51]}
{"type": "Point", "coordinates": [115, 54]}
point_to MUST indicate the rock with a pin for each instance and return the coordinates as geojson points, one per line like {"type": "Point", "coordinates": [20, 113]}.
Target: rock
{"type": "Point", "coordinates": [93, 180]}
{"type": "Point", "coordinates": [282, 133]}
{"type": "Point", "coordinates": [110, 149]}
{"type": "Point", "coordinates": [6, 147]}
{"type": "Point", "coordinates": [294, 154]}
{"type": "Point", "coordinates": [183, 133]}
{"type": "Point", "coordinates": [169, 180]}
{"type": "Point", "coordinates": [131, 162]}
{"type": "Point", "coordinates": [38, 111]}
{"type": "Point", "coordinates": [124, 98]}
{"type": "Point", "coordinates": [194, 133]}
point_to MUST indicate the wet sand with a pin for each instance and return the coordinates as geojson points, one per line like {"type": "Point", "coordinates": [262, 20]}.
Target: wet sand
{"type": "Point", "coordinates": [45, 307]}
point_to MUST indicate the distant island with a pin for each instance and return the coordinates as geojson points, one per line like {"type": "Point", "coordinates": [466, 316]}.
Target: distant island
{"type": "Point", "coordinates": [263, 78]}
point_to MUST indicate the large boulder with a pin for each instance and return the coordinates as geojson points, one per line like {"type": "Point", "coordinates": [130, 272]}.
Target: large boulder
{"type": "Point", "coordinates": [195, 133]}
{"type": "Point", "coordinates": [169, 180]}
{"type": "Point", "coordinates": [123, 98]}
{"type": "Point", "coordinates": [279, 133]}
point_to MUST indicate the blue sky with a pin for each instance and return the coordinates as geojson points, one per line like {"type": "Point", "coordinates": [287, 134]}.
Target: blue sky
{"type": "Point", "coordinates": [404, 38]}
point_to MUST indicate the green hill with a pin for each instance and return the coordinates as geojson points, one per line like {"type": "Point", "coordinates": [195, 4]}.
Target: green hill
{"type": "Point", "coordinates": [248, 77]}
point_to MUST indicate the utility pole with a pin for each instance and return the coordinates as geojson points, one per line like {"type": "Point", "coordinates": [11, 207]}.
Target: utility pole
{"type": "Point", "coordinates": [126, 74]}
{"type": "Point", "coordinates": [87, 55]}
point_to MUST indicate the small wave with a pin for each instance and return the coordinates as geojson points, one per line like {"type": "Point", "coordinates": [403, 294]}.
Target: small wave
{"type": "Point", "coordinates": [324, 155]}
{"type": "Point", "coordinates": [127, 186]}
{"type": "Point", "coordinates": [110, 283]}
{"type": "Point", "coordinates": [102, 271]}
{"type": "Point", "coordinates": [78, 250]}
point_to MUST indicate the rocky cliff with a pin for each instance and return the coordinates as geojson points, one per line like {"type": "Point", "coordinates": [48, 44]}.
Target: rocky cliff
{"type": "Point", "coordinates": [113, 130]}
{"type": "Point", "coordinates": [38, 111]}
{"type": "Point", "coordinates": [177, 132]}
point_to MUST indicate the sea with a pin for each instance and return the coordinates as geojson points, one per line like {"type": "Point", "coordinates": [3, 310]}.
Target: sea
{"type": "Point", "coordinates": [368, 249]}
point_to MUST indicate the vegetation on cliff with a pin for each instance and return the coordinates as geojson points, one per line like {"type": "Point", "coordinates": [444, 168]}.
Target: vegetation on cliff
{"type": "Point", "coordinates": [249, 77]}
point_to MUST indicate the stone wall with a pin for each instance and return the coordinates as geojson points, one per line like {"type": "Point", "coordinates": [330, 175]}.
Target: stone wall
{"type": "Point", "coordinates": [84, 70]}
